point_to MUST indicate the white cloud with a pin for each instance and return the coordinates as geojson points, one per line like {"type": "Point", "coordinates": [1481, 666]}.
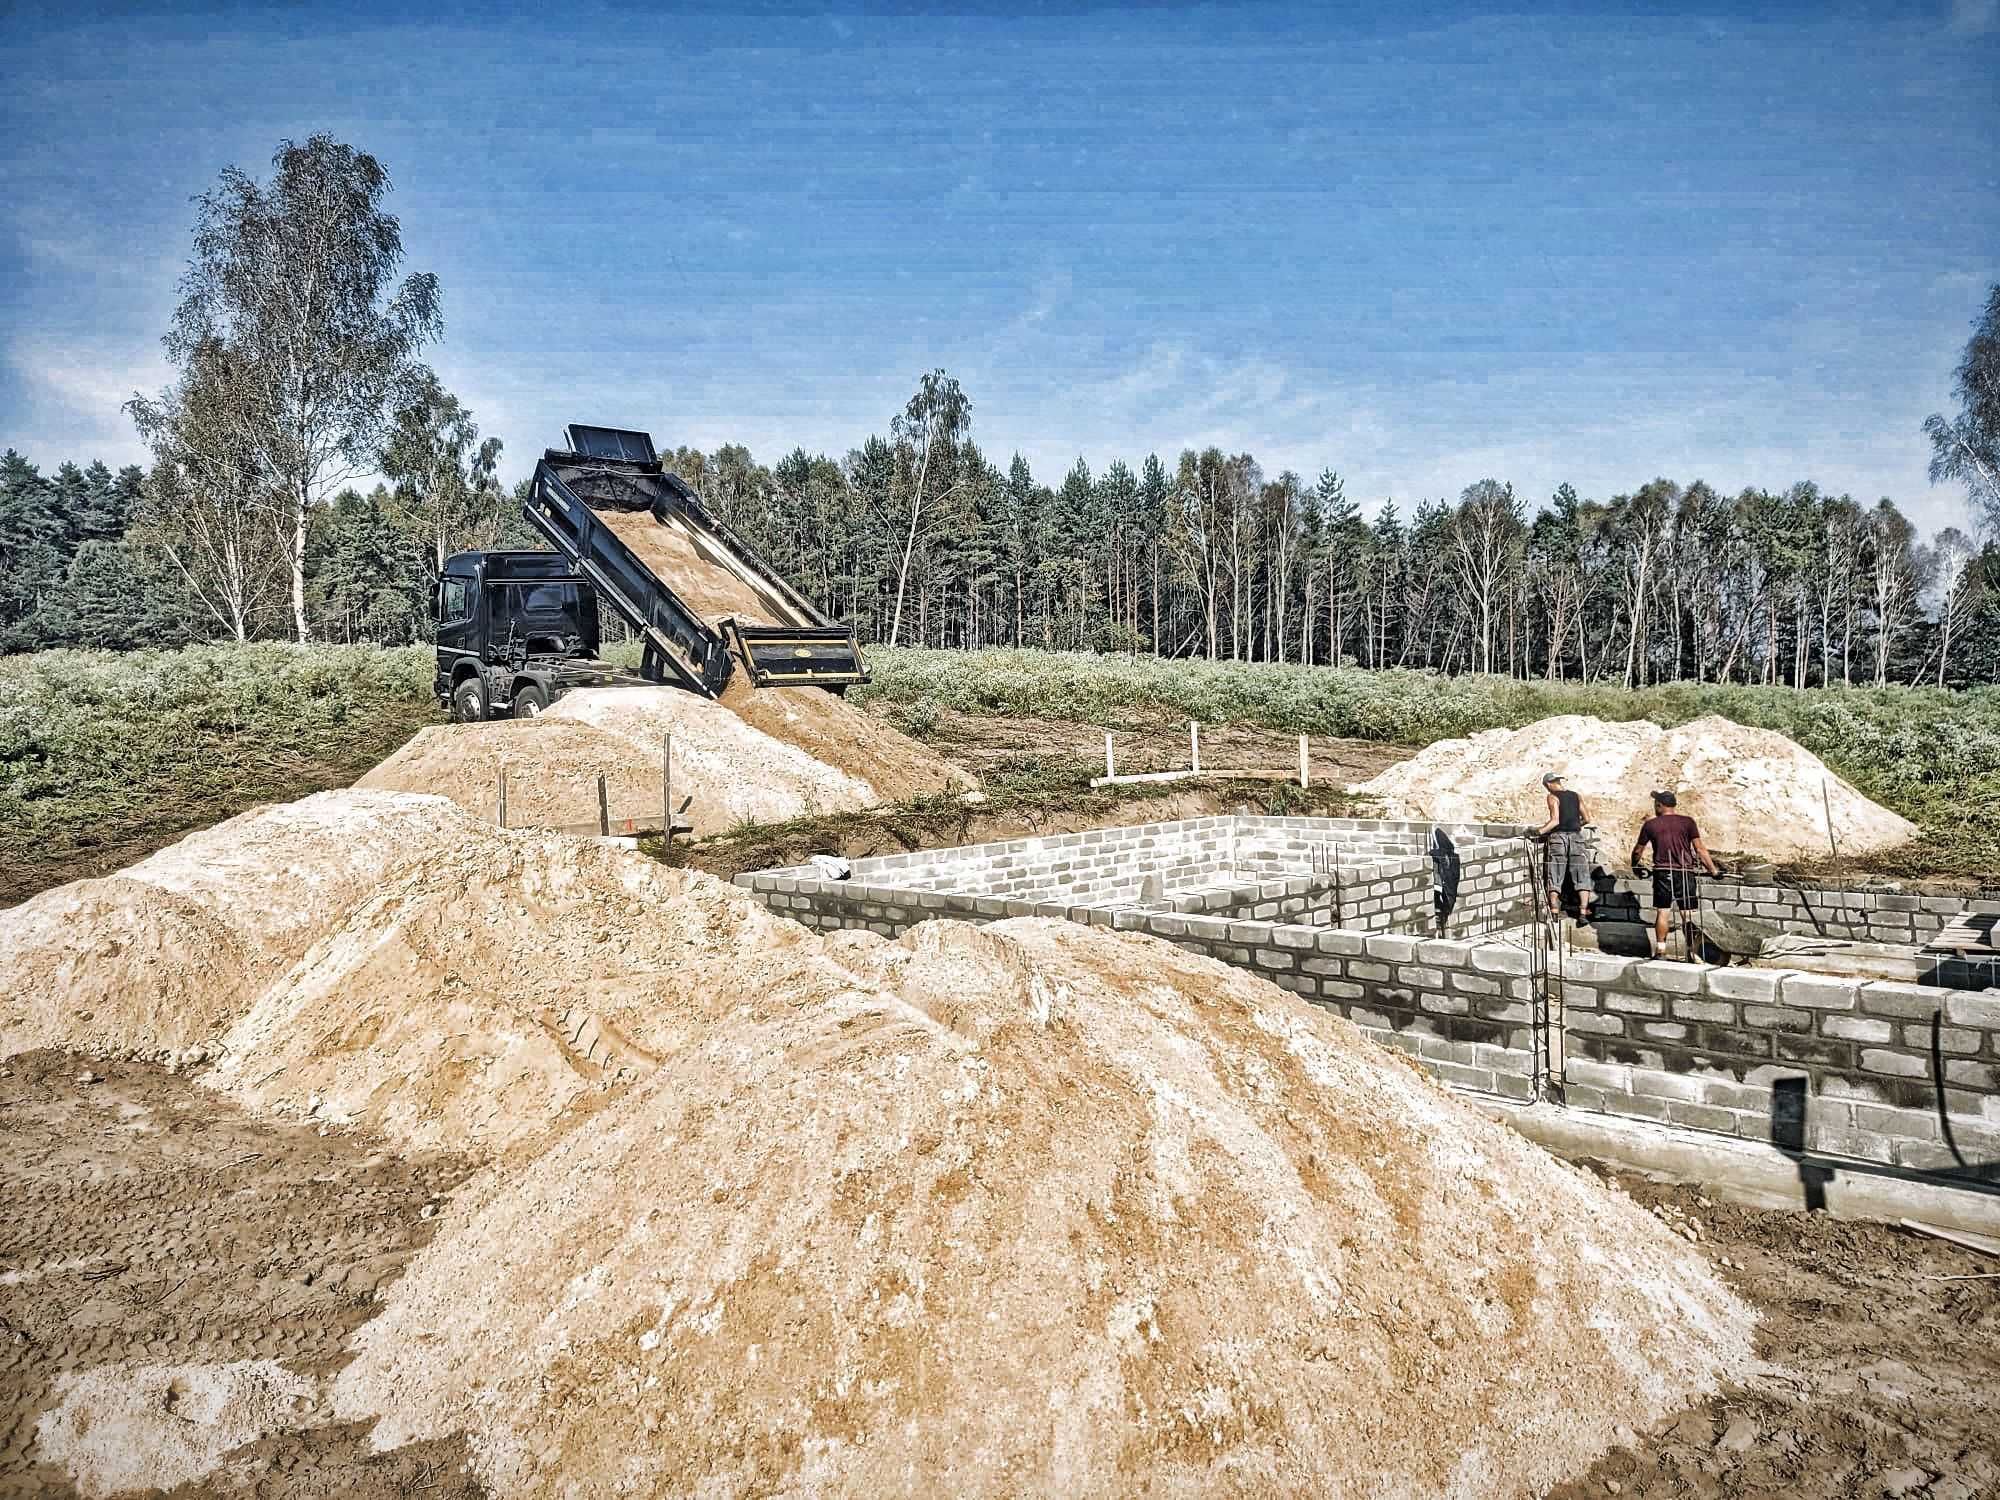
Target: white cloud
{"type": "Point", "coordinates": [75, 391]}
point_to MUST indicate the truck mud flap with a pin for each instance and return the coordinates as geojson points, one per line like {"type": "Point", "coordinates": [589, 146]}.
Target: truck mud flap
{"type": "Point", "coordinates": [797, 656]}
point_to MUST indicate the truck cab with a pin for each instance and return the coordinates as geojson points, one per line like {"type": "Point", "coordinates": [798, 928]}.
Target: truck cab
{"type": "Point", "coordinates": [515, 631]}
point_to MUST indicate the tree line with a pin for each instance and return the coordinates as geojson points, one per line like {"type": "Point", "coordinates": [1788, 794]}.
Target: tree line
{"type": "Point", "coordinates": [298, 371]}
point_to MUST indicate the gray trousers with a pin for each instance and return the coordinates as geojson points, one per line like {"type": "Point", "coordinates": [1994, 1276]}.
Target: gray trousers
{"type": "Point", "coordinates": [1569, 854]}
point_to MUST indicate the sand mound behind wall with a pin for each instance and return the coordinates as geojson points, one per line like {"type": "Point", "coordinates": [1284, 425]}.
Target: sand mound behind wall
{"type": "Point", "coordinates": [1753, 791]}
{"type": "Point", "coordinates": [1036, 1209]}
{"type": "Point", "coordinates": [162, 956]}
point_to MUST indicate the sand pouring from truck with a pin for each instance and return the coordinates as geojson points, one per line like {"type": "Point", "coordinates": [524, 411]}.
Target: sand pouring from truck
{"type": "Point", "coordinates": [517, 630]}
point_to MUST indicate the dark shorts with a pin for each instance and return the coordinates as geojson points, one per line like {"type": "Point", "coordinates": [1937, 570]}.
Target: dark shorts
{"type": "Point", "coordinates": [1680, 888]}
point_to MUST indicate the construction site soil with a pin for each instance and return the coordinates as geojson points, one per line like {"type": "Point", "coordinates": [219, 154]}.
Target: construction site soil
{"type": "Point", "coordinates": [1153, 742]}
{"type": "Point", "coordinates": [152, 1224]}
{"type": "Point", "coordinates": [762, 757]}
{"type": "Point", "coordinates": [1030, 1207]}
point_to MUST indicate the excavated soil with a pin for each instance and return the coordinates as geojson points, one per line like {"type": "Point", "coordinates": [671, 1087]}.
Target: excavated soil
{"type": "Point", "coordinates": [1753, 791]}
{"type": "Point", "coordinates": [160, 957]}
{"type": "Point", "coordinates": [1880, 1353]}
{"type": "Point", "coordinates": [158, 1240]}
{"type": "Point", "coordinates": [1035, 1209]}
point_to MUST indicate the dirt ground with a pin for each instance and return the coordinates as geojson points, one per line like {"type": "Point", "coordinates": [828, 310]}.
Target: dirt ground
{"type": "Point", "coordinates": [1883, 1378]}
{"type": "Point", "coordinates": [1153, 743]}
{"type": "Point", "coordinates": [149, 1221]}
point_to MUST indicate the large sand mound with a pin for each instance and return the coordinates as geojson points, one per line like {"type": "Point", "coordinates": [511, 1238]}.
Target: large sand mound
{"type": "Point", "coordinates": [1753, 791]}
{"type": "Point", "coordinates": [1035, 1209]}
{"type": "Point", "coordinates": [486, 989]}
{"type": "Point", "coordinates": [163, 955]}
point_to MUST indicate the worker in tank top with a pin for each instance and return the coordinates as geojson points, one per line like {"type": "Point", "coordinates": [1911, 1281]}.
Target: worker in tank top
{"type": "Point", "coordinates": [1568, 846]}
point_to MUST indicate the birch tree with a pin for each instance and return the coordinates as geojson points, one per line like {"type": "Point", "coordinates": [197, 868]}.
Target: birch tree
{"type": "Point", "coordinates": [287, 306]}
{"type": "Point", "coordinates": [1967, 447]}
{"type": "Point", "coordinates": [928, 432]}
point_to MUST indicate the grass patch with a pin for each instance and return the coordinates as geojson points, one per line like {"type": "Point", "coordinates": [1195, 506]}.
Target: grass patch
{"type": "Point", "coordinates": [1932, 755]}
{"type": "Point", "coordinates": [109, 755]}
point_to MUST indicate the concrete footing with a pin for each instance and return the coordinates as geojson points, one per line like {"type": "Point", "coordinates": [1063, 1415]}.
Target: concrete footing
{"type": "Point", "coordinates": [1754, 1174]}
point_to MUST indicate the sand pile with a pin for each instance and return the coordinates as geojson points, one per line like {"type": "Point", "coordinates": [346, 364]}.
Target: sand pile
{"type": "Point", "coordinates": [703, 577]}
{"type": "Point", "coordinates": [736, 772]}
{"type": "Point", "coordinates": [1753, 791]}
{"type": "Point", "coordinates": [552, 767]}
{"type": "Point", "coordinates": [485, 989]}
{"type": "Point", "coordinates": [163, 955]}
{"type": "Point", "coordinates": [1035, 1209]}
{"type": "Point", "coordinates": [848, 737]}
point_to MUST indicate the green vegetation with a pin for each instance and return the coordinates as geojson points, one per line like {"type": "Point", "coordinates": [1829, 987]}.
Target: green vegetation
{"type": "Point", "coordinates": [1932, 755]}
{"type": "Point", "coordinates": [105, 756]}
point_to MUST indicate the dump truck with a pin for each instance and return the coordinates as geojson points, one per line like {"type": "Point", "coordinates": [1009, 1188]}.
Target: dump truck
{"type": "Point", "coordinates": [516, 630]}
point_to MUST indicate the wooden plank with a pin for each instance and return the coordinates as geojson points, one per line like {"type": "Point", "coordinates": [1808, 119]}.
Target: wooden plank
{"type": "Point", "coordinates": [1977, 1242]}
{"type": "Point", "coordinates": [1968, 932]}
{"type": "Point", "coordinates": [648, 823]}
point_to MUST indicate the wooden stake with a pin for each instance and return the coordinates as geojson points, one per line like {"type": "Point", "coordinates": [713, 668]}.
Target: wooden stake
{"type": "Point", "coordinates": [1978, 1242]}
{"type": "Point", "coordinates": [1194, 746]}
{"type": "Point", "coordinates": [603, 808]}
{"type": "Point", "coordinates": [501, 816]}
{"type": "Point", "coordinates": [667, 785]}
{"type": "Point", "coordinates": [1303, 772]}
{"type": "Point", "coordinates": [1109, 770]}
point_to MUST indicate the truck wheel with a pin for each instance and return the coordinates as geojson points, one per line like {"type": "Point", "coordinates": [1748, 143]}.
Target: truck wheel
{"type": "Point", "coordinates": [529, 701]}
{"type": "Point", "coordinates": [468, 701]}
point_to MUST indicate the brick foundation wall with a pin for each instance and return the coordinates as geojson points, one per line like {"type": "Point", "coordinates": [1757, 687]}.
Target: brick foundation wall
{"type": "Point", "coordinates": [1864, 916]}
{"type": "Point", "coordinates": [1724, 1050]}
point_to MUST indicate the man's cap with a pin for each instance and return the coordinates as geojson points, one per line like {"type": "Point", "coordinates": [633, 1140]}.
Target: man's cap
{"type": "Point", "coordinates": [1551, 776]}
{"type": "Point", "coordinates": [1665, 799]}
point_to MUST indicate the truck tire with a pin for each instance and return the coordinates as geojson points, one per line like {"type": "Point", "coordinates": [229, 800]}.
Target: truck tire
{"type": "Point", "coordinates": [529, 701]}
{"type": "Point", "coordinates": [468, 701]}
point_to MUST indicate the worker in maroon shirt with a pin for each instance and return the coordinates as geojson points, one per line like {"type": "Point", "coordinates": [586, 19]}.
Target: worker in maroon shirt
{"type": "Point", "coordinates": [1678, 858]}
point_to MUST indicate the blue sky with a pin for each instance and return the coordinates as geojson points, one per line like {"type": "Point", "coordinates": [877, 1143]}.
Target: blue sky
{"type": "Point", "coordinates": [1566, 243]}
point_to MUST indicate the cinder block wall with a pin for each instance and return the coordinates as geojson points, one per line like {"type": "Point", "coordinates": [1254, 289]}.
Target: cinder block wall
{"type": "Point", "coordinates": [1865, 916]}
{"type": "Point", "coordinates": [1704, 1048]}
